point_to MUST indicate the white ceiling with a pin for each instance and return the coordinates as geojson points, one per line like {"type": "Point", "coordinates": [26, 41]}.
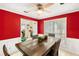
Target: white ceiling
{"type": "Point", "coordinates": [53, 10]}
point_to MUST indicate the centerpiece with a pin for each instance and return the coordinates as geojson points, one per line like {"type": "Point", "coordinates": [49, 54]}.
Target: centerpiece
{"type": "Point", "coordinates": [42, 38]}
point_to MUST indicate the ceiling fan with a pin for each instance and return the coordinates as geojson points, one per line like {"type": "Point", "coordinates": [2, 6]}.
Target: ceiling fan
{"type": "Point", "coordinates": [41, 7]}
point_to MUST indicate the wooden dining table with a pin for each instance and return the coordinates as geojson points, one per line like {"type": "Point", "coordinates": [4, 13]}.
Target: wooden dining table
{"type": "Point", "coordinates": [33, 48]}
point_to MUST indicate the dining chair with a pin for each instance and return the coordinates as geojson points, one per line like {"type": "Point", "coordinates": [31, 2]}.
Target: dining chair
{"type": "Point", "coordinates": [52, 35]}
{"type": "Point", "coordinates": [5, 51]}
{"type": "Point", "coordinates": [16, 53]}
{"type": "Point", "coordinates": [55, 48]}
{"type": "Point", "coordinates": [47, 53]}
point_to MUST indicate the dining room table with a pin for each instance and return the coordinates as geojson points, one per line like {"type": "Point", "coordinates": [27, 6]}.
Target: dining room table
{"type": "Point", "coordinates": [32, 47]}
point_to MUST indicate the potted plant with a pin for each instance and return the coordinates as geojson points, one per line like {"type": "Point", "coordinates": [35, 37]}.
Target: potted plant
{"type": "Point", "coordinates": [40, 39]}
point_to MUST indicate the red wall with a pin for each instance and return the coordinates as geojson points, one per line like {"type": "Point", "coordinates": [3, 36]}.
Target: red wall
{"type": "Point", "coordinates": [1, 24]}
{"type": "Point", "coordinates": [10, 24]}
{"type": "Point", "coordinates": [72, 23]}
{"type": "Point", "coordinates": [40, 27]}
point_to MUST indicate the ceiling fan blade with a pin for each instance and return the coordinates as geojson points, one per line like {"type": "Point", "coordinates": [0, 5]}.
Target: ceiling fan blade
{"type": "Point", "coordinates": [32, 5]}
{"type": "Point", "coordinates": [48, 5]}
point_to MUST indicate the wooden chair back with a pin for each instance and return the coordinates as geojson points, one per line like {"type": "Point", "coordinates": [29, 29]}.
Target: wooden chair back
{"type": "Point", "coordinates": [5, 51]}
{"type": "Point", "coordinates": [55, 48]}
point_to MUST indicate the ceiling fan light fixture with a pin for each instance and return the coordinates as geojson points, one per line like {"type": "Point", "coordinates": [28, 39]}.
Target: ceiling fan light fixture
{"type": "Point", "coordinates": [39, 12]}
